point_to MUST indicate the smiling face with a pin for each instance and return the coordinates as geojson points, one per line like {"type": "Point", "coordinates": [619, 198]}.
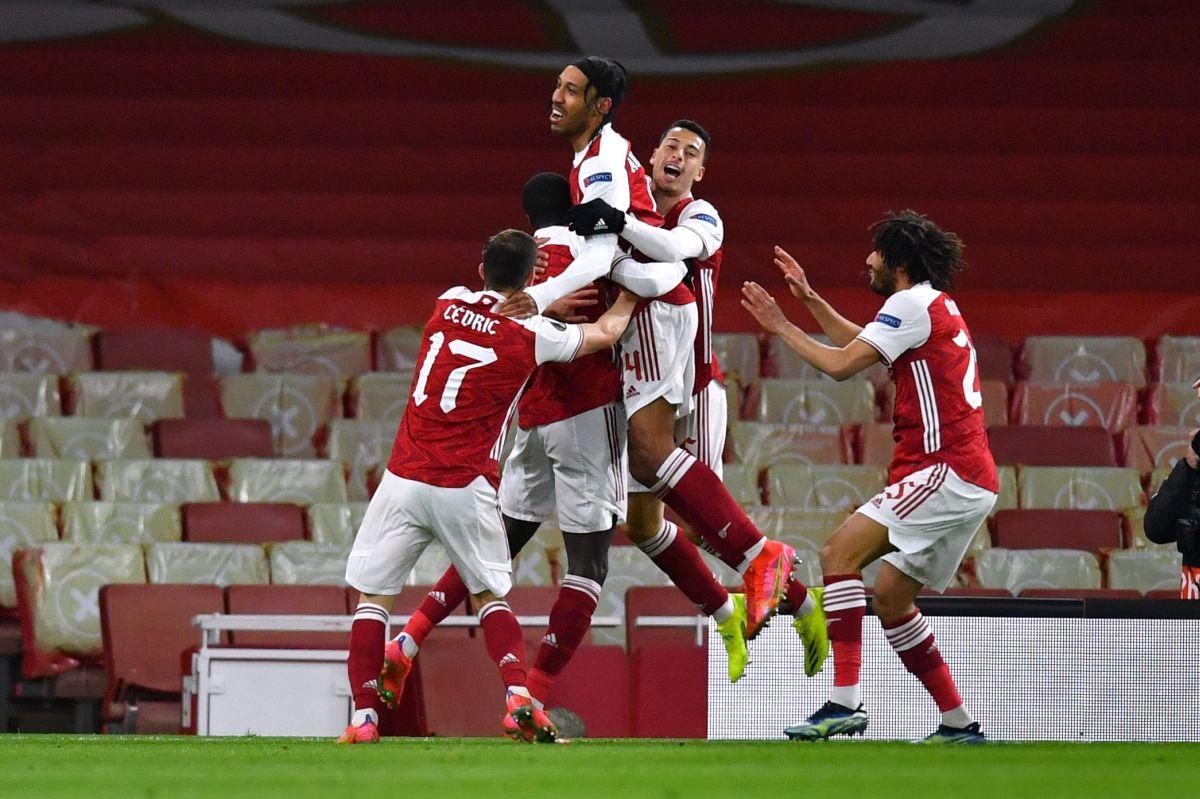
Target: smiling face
{"type": "Point", "coordinates": [677, 162]}
{"type": "Point", "coordinates": [883, 277]}
{"type": "Point", "coordinates": [571, 114]}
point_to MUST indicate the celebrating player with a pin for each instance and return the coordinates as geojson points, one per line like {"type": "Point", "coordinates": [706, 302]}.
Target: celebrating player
{"type": "Point", "coordinates": [441, 480]}
{"type": "Point", "coordinates": [942, 481]}
{"type": "Point", "coordinates": [657, 352]}
{"type": "Point", "coordinates": [569, 455]}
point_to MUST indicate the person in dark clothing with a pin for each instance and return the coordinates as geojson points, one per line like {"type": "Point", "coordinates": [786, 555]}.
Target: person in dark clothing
{"type": "Point", "coordinates": [1174, 515]}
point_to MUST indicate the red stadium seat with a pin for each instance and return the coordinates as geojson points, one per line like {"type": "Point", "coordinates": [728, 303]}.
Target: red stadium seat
{"type": "Point", "coordinates": [1112, 406]}
{"type": "Point", "coordinates": [213, 439]}
{"type": "Point", "coordinates": [242, 522]}
{"type": "Point", "coordinates": [533, 600]}
{"type": "Point", "coordinates": [305, 600]}
{"type": "Point", "coordinates": [1091, 530]}
{"type": "Point", "coordinates": [1083, 359]}
{"type": "Point", "coordinates": [1163, 593]}
{"type": "Point", "coordinates": [995, 358]}
{"type": "Point", "coordinates": [649, 600]}
{"type": "Point", "coordinates": [995, 401]}
{"type": "Point", "coordinates": [146, 629]}
{"type": "Point", "coordinates": [1173, 404]}
{"type": "Point", "coordinates": [1080, 593]}
{"type": "Point", "coordinates": [167, 350]}
{"type": "Point", "coordinates": [1150, 447]}
{"type": "Point", "coordinates": [968, 591]}
{"type": "Point", "coordinates": [1035, 445]}
{"type": "Point", "coordinates": [1178, 359]}
{"type": "Point", "coordinates": [462, 690]}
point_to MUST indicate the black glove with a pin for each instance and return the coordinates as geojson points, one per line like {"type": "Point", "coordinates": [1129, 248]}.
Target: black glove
{"type": "Point", "coordinates": [595, 218]}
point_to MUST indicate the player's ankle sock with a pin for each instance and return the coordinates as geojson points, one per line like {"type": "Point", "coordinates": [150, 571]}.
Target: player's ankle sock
{"type": "Point", "coordinates": [504, 642]}
{"type": "Point", "coordinates": [700, 498]}
{"type": "Point", "coordinates": [913, 641]}
{"type": "Point", "coordinates": [364, 715]}
{"type": "Point", "coordinates": [798, 600]}
{"type": "Point", "coordinates": [440, 602]}
{"type": "Point", "coordinates": [366, 655]}
{"type": "Point", "coordinates": [845, 605]}
{"type": "Point", "coordinates": [725, 612]}
{"type": "Point", "coordinates": [570, 619]}
{"type": "Point", "coordinates": [681, 561]}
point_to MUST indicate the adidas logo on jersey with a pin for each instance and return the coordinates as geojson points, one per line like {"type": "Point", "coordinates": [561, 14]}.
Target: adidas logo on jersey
{"type": "Point", "coordinates": [632, 392]}
{"type": "Point", "coordinates": [438, 597]}
{"type": "Point", "coordinates": [550, 640]}
{"type": "Point", "coordinates": [509, 658]}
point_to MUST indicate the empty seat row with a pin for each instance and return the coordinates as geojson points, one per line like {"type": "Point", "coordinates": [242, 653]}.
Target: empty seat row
{"type": "Point", "coordinates": [1018, 570]}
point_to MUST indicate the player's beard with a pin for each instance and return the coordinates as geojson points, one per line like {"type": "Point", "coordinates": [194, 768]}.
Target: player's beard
{"type": "Point", "coordinates": [883, 281]}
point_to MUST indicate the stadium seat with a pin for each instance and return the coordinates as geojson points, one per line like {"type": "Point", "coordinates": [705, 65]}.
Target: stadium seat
{"type": "Point", "coordinates": [57, 585]}
{"type": "Point", "coordinates": [1049, 487]}
{"type": "Point", "coordinates": [306, 563]}
{"type": "Point", "coordinates": [120, 522]}
{"type": "Point", "coordinates": [301, 482]}
{"type": "Point", "coordinates": [995, 402]}
{"type": "Point", "coordinates": [1165, 593]}
{"type": "Point", "coordinates": [534, 566]}
{"type": "Point", "coordinates": [396, 350]}
{"type": "Point", "coordinates": [1178, 359]}
{"type": "Point", "coordinates": [201, 564]}
{"type": "Point", "coordinates": [74, 438]}
{"type": "Point", "coordinates": [10, 439]}
{"type": "Point", "coordinates": [742, 483]}
{"type": "Point", "coordinates": [1079, 593]}
{"type": "Point", "coordinates": [33, 479]}
{"type": "Point", "coordinates": [380, 396]}
{"type": "Point", "coordinates": [808, 566]}
{"type": "Point", "coordinates": [807, 528]}
{"type": "Point", "coordinates": [817, 402]}
{"type": "Point", "coordinates": [1089, 530]}
{"type": "Point", "coordinates": [801, 485]}
{"type": "Point", "coordinates": [1008, 497]}
{"type": "Point", "coordinates": [147, 628]}
{"type": "Point", "coordinates": [1156, 480]}
{"type": "Point", "coordinates": [1034, 445]}
{"type": "Point", "coordinates": [335, 522]}
{"type": "Point", "coordinates": [1173, 404]}
{"type": "Point", "coordinates": [783, 362]}
{"type": "Point", "coordinates": [995, 358]}
{"type": "Point", "coordinates": [287, 600]}
{"type": "Point", "coordinates": [1112, 406]}
{"type": "Point", "coordinates": [739, 356]}
{"type": "Point", "coordinates": [659, 600]}
{"type": "Point", "coordinates": [462, 691]}
{"type": "Point", "coordinates": [298, 407]}
{"type": "Point", "coordinates": [1150, 447]}
{"type": "Point", "coordinates": [1145, 570]}
{"type": "Point", "coordinates": [157, 480]}
{"type": "Point", "coordinates": [26, 395]}
{"type": "Point", "coordinates": [212, 439]}
{"type": "Point", "coordinates": [55, 350]}
{"type": "Point", "coordinates": [145, 396]}
{"type": "Point", "coordinates": [1134, 527]}
{"type": "Point", "coordinates": [242, 522]}
{"type": "Point", "coordinates": [627, 567]}
{"type": "Point", "coordinates": [22, 524]}
{"type": "Point", "coordinates": [1083, 359]}
{"type": "Point", "coordinates": [161, 349]}
{"type": "Point", "coordinates": [1019, 569]}
{"type": "Point", "coordinates": [876, 445]}
{"type": "Point", "coordinates": [535, 600]}
{"type": "Point", "coordinates": [760, 445]}
{"type": "Point", "coordinates": [312, 350]}
{"type": "Point", "coordinates": [363, 447]}
{"type": "Point", "coordinates": [735, 401]}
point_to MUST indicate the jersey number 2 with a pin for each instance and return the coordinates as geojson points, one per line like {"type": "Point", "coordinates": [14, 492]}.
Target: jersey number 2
{"type": "Point", "coordinates": [973, 397]}
{"type": "Point", "coordinates": [480, 356]}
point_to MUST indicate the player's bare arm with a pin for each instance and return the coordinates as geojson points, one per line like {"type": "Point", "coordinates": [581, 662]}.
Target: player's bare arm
{"type": "Point", "coordinates": [839, 363]}
{"type": "Point", "coordinates": [606, 331]}
{"type": "Point", "coordinates": [565, 308]}
{"type": "Point", "coordinates": [594, 262]}
{"type": "Point", "coordinates": [647, 279]}
{"type": "Point", "coordinates": [841, 331]}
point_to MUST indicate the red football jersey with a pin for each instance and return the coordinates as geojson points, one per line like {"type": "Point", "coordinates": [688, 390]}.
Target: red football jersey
{"type": "Point", "coordinates": [559, 391]}
{"type": "Point", "coordinates": [938, 415]}
{"type": "Point", "coordinates": [472, 366]}
{"type": "Point", "coordinates": [701, 217]}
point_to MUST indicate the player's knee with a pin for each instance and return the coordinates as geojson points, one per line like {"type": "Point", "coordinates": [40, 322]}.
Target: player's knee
{"type": "Point", "coordinates": [593, 568]}
{"type": "Point", "coordinates": [587, 555]}
{"type": "Point", "coordinates": [888, 606]}
{"type": "Point", "coordinates": [643, 465]}
{"type": "Point", "coordinates": [832, 561]}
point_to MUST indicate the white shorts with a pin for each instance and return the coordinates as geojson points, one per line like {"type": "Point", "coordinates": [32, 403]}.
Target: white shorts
{"type": "Point", "coordinates": [704, 428]}
{"type": "Point", "coordinates": [404, 516]}
{"type": "Point", "coordinates": [658, 357]}
{"type": "Point", "coordinates": [577, 466]}
{"type": "Point", "coordinates": [931, 517]}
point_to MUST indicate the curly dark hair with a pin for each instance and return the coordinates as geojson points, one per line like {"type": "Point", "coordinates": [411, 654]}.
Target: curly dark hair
{"type": "Point", "coordinates": [927, 252]}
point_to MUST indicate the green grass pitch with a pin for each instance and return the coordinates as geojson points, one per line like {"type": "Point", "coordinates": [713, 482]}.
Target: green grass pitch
{"type": "Point", "coordinates": [50, 766]}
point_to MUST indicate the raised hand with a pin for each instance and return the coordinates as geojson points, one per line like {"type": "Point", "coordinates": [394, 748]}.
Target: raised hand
{"type": "Point", "coordinates": [763, 308]}
{"type": "Point", "coordinates": [793, 275]}
{"type": "Point", "coordinates": [564, 309]}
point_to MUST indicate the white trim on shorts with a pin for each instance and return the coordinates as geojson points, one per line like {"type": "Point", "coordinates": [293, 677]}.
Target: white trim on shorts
{"type": "Point", "coordinates": [660, 346]}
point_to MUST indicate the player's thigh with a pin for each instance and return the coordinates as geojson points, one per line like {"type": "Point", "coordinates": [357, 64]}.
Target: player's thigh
{"type": "Point", "coordinates": [658, 357]}
{"type": "Point", "coordinates": [588, 454]}
{"type": "Point", "coordinates": [858, 541]}
{"type": "Point", "coordinates": [705, 427]}
{"type": "Point", "coordinates": [645, 517]}
{"type": "Point", "coordinates": [651, 442]}
{"type": "Point", "coordinates": [467, 522]}
{"type": "Point", "coordinates": [527, 484]}
{"type": "Point", "coordinates": [393, 534]}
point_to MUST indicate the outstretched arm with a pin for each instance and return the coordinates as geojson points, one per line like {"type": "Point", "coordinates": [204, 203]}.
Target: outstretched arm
{"type": "Point", "coordinates": [647, 280]}
{"type": "Point", "coordinates": [606, 331]}
{"type": "Point", "coordinates": [841, 331]}
{"type": "Point", "coordinates": [839, 363]}
{"type": "Point", "coordinates": [593, 261]}
{"type": "Point", "coordinates": [677, 244]}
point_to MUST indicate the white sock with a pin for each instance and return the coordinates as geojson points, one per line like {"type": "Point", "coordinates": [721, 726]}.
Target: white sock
{"type": "Point", "coordinates": [519, 690]}
{"type": "Point", "coordinates": [846, 695]}
{"type": "Point", "coordinates": [363, 716]}
{"type": "Point", "coordinates": [407, 645]}
{"type": "Point", "coordinates": [538, 704]}
{"type": "Point", "coordinates": [725, 612]}
{"type": "Point", "coordinates": [806, 607]}
{"type": "Point", "coordinates": [958, 718]}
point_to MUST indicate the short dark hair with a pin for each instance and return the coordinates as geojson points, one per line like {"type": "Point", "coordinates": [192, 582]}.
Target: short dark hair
{"type": "Point", "coordinates": [508, 258]}
{"type": "Point", "coordinates": [546, 197]}
{"type": "Point", "coordinates": [694, 127]}
{"type": "Point", "coordinates": [608, 77]}
{"type": "Point", "coordinates": [927, 252]}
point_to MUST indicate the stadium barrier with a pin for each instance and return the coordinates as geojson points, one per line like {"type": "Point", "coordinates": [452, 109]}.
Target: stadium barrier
{"type": "Point", "coordinates": [1028, 669]}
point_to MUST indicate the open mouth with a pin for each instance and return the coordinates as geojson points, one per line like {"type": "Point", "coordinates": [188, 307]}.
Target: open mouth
{"type": "Point", "coordinates": [672, 170]}
{"type": "Point", "coordinates": [556, 116]}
